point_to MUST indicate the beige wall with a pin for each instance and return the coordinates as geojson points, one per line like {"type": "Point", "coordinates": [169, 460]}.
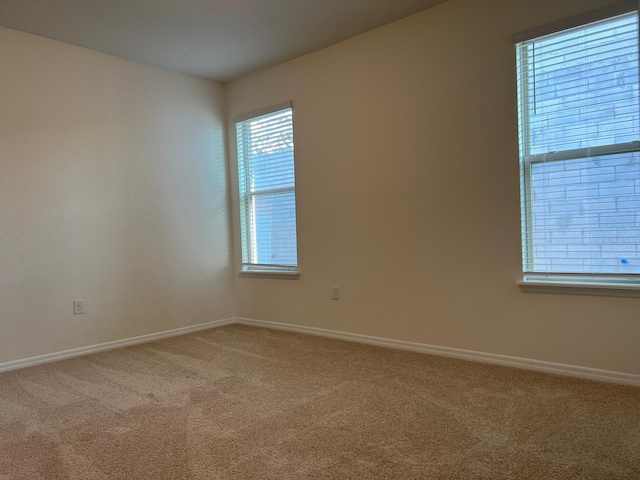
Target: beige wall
{"type": "Point", "coordinates": [407, 177]}
{"type": "Point", "coordinates": [113, 190]}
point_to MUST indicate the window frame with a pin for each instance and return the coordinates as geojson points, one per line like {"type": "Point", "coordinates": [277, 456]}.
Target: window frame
{"type": "Point", "coordinates": [246, 204]}
{"type": "Point", "coordinates": [619, 285]}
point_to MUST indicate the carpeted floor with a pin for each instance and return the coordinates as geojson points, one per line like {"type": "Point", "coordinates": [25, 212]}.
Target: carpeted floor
{"type": "Point", "coordinates": [241, 402]}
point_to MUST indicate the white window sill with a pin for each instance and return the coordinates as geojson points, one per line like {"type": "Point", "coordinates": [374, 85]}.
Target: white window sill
{"type": "Point", "coordinates": [279, 274]}
{"type": "Point", "coordinates": [577, 287]}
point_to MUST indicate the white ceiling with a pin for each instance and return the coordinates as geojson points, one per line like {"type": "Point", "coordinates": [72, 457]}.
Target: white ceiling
{"type": "Point", "coordinates": [216, 39]}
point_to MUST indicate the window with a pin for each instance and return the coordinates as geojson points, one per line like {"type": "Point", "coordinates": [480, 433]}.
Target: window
{"type": "Point", "coordinates": [579, 128]}
{"type": "Point", "coordinates": [267, 191]}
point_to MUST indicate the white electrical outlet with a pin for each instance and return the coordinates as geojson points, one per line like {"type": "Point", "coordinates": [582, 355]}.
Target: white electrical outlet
{"type": "Point", "coordinates": [335, 293]}
{"type": "Point", "coordinates": [78, 307]}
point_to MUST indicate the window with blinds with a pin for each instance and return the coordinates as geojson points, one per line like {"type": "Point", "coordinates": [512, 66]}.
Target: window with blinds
{"type": "Point", "coordinates": [267, 191]}
{"type": "Point", "coordinates": [579, 128]}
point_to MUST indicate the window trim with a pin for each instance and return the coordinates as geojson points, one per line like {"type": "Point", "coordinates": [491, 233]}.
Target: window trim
{"type": "Point", "coordinates": [590, 285]}
{"type": "Point", "coordinates": [613, 11]}
{"type": "Point", "coordinates": [250, 272]}
{"type": "Point", "coordinates": [614, 285]}
{"type": "Point", "coordinates": [262, 111]}
{"type": "Point", "coordinates": [291, 272]}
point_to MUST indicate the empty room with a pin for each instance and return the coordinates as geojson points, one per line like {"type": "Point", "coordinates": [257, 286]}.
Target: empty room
{"type": "Point", "coordinates": [303, 239]}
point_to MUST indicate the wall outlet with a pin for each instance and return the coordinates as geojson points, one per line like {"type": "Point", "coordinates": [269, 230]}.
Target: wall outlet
{"type": "Point", "coordinates": [335, 293]}
{"type": "Point", "coordinates": [78, 307]}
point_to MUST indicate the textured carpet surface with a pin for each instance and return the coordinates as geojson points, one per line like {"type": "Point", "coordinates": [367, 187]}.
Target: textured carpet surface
{"type": "Point", "coordinates": [241, 402]}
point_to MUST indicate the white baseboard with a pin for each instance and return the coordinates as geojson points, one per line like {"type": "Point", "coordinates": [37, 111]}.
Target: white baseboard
{"type": "Point", "coordinates": [493, 358]}
{"type": "Point", "coordinates": [125, 342]}
{"type": "Point", "coordinates": [496, 359]}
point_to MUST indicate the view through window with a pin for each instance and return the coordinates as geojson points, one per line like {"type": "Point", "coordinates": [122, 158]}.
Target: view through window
{"type": "Point", "coordinates": [267, 191]}
{"type": "Point", "coordinates": [579, 149]}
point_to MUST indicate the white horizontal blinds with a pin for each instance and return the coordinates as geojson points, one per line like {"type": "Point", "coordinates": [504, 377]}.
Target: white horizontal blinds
{"type": "Point", "coordinates": [579, 146]}
{"type": "Point", "coordinates": [267, 190]}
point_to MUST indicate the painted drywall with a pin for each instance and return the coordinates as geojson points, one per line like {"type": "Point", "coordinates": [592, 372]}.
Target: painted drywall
{"type": "Point", "coordinates": [112, 190]}
{"type": "Point", "coordinates": [408, 194]}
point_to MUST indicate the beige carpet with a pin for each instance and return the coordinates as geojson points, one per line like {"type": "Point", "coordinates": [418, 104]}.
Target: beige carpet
{"type": "Point", "coordinates": [241, 402]}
